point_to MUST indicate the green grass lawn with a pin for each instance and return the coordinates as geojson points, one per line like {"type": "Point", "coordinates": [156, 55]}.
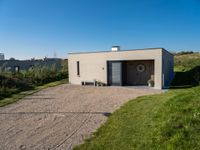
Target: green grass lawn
{"type": "Point", "coordinates": [169, 120]}
{"type": "Point", "coordinates": [18, 96]}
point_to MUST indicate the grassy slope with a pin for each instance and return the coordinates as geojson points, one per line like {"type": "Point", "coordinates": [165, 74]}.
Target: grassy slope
{"type": "Point", "coordinates": [16, 97]}
{"type": "Point", "coordinates": [166, 121]}
{"type": "Point", "coordinates": [186, 62]}
{"type": "Point", "coordinates": [187, 68]}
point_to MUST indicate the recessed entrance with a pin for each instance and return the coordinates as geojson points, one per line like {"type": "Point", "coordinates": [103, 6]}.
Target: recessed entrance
{"type": "Point", "coordinates": [130, 73]}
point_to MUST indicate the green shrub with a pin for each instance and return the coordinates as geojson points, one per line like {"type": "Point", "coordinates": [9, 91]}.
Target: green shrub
{"type": "Point", "coordinates": [11, 83]}
{"type": "Point", "coordinates": [188, 78]}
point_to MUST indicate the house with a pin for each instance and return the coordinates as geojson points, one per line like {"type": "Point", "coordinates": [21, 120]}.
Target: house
{"type": "Point", "coordinates": [122, 67]}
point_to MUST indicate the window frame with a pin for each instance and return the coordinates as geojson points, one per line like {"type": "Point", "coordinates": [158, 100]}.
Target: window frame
{"type": "Point", "coordinates": [78, 68]}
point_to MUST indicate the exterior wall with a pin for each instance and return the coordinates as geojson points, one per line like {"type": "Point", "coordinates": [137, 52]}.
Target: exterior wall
{"type": "Point", "coordinates": [94, 65]}
{"type": "Point", "coordinates": [168, 68]}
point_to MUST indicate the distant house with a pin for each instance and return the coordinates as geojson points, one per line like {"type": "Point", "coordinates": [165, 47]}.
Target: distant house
{"type": "Point", "coordinates": [122, 67]}
{"type": "Point", "coordinates": [18, 65]}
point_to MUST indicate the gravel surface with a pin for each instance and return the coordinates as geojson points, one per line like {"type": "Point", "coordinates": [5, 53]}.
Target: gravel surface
{"type": "Point", "coordinates": [60, 117]}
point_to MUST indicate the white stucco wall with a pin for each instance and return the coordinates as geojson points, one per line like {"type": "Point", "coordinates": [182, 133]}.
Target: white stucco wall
{"type": "Point", "coordinates": [94, 65]}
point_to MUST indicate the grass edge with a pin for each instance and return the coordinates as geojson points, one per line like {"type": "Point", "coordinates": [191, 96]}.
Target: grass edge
{"type": "Point", "coordinates": [16, 97]}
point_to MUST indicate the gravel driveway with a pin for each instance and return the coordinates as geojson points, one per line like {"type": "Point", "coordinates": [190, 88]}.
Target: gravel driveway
{"type": "Point", "coordinates": [60, 117]}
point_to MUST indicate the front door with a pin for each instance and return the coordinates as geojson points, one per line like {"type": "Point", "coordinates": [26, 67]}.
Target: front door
{"type": "Point", "coordinates": [115, 73]}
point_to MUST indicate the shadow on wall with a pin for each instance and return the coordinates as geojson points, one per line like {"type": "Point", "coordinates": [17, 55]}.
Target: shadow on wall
{"type": "Point", "coordinates": [186, 79]}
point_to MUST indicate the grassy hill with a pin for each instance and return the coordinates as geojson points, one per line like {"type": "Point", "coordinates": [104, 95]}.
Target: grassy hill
{"type": "Point", "coordinates": [169, 120]}
{"type": "Point", "coordinates": [186, 62]}
{"type": "Point", "coordinates": [187, 68]}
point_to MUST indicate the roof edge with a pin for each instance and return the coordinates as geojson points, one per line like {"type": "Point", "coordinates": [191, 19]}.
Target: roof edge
{"type": "Point", "coordinates": [116, 51]}
{"type": "Point", "coordinates": [167, 51]}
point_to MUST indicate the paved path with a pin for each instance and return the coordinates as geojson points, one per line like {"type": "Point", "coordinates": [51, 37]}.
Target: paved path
{"type": "Point", "coordinates": [60, 117]}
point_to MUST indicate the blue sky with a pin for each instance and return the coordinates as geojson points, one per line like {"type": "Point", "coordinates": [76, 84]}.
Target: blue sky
{"type": "Point", "coordinates": [39, 28]}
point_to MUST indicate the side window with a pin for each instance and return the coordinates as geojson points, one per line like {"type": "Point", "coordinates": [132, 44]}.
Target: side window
{"type": "Point", "coordinates": [17, 68]}
{"type": "Point", "coordinates": [78, 68]}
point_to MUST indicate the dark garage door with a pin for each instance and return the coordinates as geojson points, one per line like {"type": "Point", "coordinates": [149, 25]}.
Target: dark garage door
{"type": "Point", "coordinates": [114, 73]}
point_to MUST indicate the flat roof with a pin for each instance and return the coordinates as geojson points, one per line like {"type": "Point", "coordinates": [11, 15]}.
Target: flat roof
{"type": "Point", "coordinates": [118, 51]}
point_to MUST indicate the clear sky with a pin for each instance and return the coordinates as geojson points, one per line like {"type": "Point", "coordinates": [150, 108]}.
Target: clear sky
{"type": "Point", "coordinates": [39, 28]}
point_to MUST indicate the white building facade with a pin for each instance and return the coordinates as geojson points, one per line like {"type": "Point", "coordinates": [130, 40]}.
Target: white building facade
{"type": "Point", "coordinates": [122, 67]}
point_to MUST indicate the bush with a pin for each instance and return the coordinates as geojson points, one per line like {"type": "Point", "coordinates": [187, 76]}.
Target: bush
{"type": "Point", "coordinates": [188, 78]}
{"type": "Point", "coordinates": [11, 83]}
{"type": "Point", "coordinates": [184, 52]}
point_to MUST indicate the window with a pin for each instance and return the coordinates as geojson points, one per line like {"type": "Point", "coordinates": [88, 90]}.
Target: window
{"type": "Point", "coordinates": [78, 68]}
{"type": "Point", "coordinates": [17, 68]}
